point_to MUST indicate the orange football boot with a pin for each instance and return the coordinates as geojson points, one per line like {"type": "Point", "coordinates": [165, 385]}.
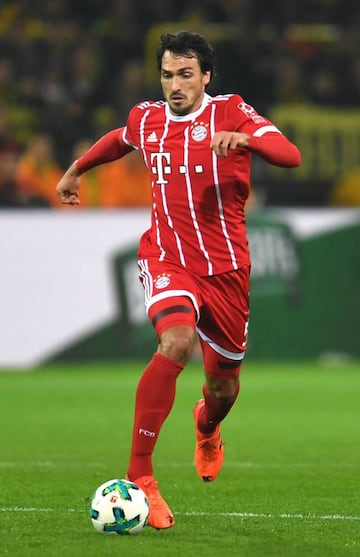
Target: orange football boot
{"type": "Point", "coordinates": [160, 515]}
{"type": "Point", "coordinates": [209, 449]}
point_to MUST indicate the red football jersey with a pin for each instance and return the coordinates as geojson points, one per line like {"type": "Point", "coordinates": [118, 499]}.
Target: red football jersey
{"type": "Point", "coordinates": [198, 198]}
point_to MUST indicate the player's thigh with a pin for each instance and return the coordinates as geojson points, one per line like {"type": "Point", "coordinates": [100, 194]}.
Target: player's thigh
{"type": "Point", "coordinates": [223, 324]}
{"type": "Point", "coordinates": [171, 295]}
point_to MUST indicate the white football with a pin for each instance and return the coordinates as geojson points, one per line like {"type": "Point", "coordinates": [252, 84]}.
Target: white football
{"type": "Point", "coordinates": [119, 507]}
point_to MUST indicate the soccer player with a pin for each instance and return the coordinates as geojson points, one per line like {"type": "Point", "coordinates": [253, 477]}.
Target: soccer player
{"type": "Point", "coordinates": [194, 261]}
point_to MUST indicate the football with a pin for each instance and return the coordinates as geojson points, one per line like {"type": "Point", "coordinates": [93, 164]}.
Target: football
{"type": "Point", "coordinates": [119, 507]}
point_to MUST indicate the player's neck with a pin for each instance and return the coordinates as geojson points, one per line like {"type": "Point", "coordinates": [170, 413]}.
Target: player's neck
{"type": "Point", "coordinates": [190, 115]}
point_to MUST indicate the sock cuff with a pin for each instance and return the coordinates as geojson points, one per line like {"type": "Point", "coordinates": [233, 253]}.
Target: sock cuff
{"type": "Point", "coordinates": [165, 364]}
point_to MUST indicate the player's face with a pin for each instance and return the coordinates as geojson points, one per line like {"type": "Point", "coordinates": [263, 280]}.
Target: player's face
{"type": "Point", "coordinates": [182, 82]}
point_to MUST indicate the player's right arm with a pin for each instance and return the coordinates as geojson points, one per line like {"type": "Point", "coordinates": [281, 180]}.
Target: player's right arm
{"type": "Point", "coordinates": [109, 147]}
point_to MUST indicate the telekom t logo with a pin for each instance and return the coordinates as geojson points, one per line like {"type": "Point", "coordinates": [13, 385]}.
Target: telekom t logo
{"type": "Point", "coordinates": [160, 165]}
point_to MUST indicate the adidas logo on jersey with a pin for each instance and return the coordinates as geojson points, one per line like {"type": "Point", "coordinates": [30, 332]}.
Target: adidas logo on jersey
{"type": "Point", "coordinates": [152, 138]}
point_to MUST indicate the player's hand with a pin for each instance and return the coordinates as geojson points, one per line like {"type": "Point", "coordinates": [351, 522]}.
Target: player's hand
{"type": "Point", "coordinates": [223, 141]}
{"type": "Point", "coordinates": [68, 187]}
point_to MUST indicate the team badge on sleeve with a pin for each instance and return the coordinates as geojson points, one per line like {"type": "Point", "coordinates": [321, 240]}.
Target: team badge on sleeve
{"type": "Point", "coordinates": [250, 112]}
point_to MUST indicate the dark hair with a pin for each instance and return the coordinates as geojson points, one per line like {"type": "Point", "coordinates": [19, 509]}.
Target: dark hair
{"type": "Point", "coordinates": [188, 44]}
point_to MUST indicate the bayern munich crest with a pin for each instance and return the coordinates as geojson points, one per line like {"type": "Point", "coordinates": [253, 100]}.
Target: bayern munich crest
{"type": "Point", "coordinates": [199, 131]}
{"type": "Point", "coordinates": [162, 281]}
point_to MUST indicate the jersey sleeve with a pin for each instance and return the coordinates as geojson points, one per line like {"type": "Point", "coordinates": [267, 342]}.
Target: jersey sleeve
{"type": "Point", "coordinates": [132, 131]}
{"type": "Point", "coordinates": [246, 118]}
{"type": "Point", "coordinates": [266, 140]}
{"type": "Point", "coordinates": [130, 135]}
{"type": "Point", "coordinates": [275, 149]}
{"type": "Point", "coordinates": [109, 147]}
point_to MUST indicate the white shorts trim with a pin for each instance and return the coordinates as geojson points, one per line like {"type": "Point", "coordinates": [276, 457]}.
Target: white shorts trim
{"type": "Point", "coordinates": [238, 356]}
{"type": "Point", "coordinates": [171, 294]}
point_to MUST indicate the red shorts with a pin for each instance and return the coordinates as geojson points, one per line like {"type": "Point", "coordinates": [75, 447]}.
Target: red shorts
{"type": "Point", "coordinates": [221, 302]}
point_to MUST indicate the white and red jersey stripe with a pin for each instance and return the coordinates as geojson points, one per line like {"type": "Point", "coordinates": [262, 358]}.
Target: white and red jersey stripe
{"type": "Point", "coordinates": [198, 198]}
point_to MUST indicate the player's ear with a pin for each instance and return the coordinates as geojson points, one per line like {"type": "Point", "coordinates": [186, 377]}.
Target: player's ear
{"type": "Point", "coordinates": [206, 78]}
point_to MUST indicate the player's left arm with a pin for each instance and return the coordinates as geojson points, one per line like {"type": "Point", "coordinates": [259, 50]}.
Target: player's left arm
{"type": "Point", "coordinates": [272, 146]}
{"type": "Point", "coordinates": [275, 148]}
{"type": "Point", "coordinates": [255, 133]}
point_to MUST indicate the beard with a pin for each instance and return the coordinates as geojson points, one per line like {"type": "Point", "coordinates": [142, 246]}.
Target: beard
{"type": "Point", "coordinates": [179, 110]}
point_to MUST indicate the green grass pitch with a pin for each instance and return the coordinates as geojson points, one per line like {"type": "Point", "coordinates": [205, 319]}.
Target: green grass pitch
{"type": "Point", "coordinates": [290, 485]}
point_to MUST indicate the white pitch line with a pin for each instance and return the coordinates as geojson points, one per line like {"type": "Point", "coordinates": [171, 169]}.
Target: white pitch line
{"type": "Point", "coordinates": [37, 510]}
{"type": "Point", "coordinates": [255, 465]}
{"type": "Point", "coordinates": [50, 464]}
{"type": "Point", "coordinates": [282, 515]}
{"type": "Point", "coordinates": [194, 513]}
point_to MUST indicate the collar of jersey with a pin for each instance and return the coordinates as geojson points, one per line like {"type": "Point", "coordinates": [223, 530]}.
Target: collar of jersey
{"type": "Point", "coordinates": [191, 115]}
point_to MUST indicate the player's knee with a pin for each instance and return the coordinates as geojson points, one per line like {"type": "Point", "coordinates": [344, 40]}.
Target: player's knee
{"type": "Point", "coordinates": [177, 343]}
{"type": "Point", "coordinates": [223, 389]}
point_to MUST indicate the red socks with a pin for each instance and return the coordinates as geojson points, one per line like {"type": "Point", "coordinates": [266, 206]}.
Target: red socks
{"type": "Point", "coordinates": [214, 411]}
{"type": "Point", "coordinates": [154, 399]}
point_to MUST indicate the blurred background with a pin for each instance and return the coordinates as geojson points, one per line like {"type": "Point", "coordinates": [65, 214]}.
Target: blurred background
{"type": "Point", "coordinates": [70, 71]}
